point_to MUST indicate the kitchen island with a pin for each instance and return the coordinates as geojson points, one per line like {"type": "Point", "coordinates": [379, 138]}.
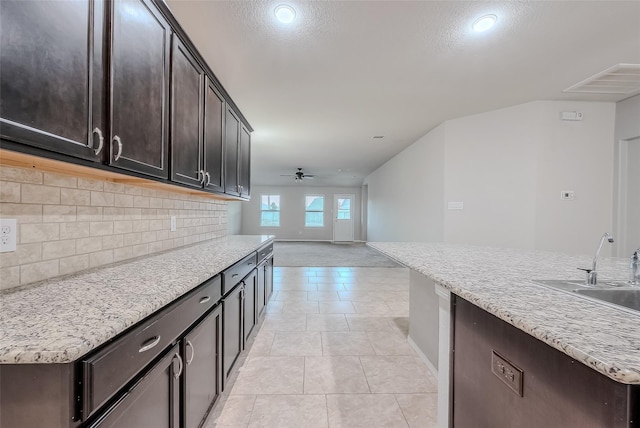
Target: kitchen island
{"type": "Point", "coordinates": [81, 350]}
{"type": "Point", "coordinates": [499, 281]}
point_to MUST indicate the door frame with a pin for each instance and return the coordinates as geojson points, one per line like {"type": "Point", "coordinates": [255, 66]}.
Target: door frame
{"type": "Point", "coordinates": [335, 213]}
{"type": "Point", "coordinates": [620, 205]}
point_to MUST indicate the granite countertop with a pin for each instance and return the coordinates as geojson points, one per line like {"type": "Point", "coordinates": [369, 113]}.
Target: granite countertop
{"type": "Point", "coordinates": [58, 321]}
{"type": "Point", "coordinates": [498, 281]}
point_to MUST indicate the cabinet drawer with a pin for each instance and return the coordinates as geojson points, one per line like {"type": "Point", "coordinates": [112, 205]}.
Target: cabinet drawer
{"type": "Point", "coordinates": [235, 273]}
{"type": "Point", "coordinates": [108, 370]}
{"type": "Point", "coordinates": [264, 252]}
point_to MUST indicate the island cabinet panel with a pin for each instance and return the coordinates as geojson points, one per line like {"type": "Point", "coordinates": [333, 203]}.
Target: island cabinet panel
{"type": "Point", "coordinates": [51, 79]}
{"type": "Point", "coordinates": [231, 149]}
{"type": "Point", "coordinates": [154, 401]}
{"type": "Point", "coordinates": [214, 114]}
{"type": "Point", "coordinates": [202, 354]}
{"type": "Point", "coordinates": [140, 48]}
{"type": "Point", "coordinates": [187, 93]}
{"type": "Point", "coordinates": [503, 377]}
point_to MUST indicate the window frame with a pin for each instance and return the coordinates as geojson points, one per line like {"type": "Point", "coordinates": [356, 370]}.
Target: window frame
{"type": "Point", "coordinates": [270, 210]}
{"type": "Point", "coordinates": [314, 211]}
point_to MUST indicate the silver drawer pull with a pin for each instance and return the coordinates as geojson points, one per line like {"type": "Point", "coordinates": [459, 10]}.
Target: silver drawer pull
{"type": "Point", "coordinates": [149, 344]}
{"type": "Point", "coordinates": [235, 275]}
{"type": "Point", "coordinates": [97, 130]}
{"type": "Point", "coordinates": [249, 263]}
{"type": "Point", "coordinates": [205, 299]}
{"type": "Point", "coordinates": [193, 352]}
{"type": "Point", "coordinates": [119, 141]}
{"type": "Point", "coordinates": [180, 366]}
{"type": "Point", "coordinates": [208, 178]}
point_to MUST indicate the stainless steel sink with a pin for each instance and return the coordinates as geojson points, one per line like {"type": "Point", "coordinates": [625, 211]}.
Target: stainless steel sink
{"type": "Point", "coordinates": [617, 294]}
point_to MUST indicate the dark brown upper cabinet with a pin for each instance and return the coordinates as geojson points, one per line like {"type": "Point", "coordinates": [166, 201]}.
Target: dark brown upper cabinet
{"type": "Point", "coordinates": [214, 113]}
{"type": "Point", "coordinates": [231, 145]}
{"type": "Point", "coordinates": [244, 163]}
{"type": "Point", "coordinates": [187, 91]}
{"type": "Point", "coordinates": [51, 79]}
{"type": "Point", "coordinates": [140, 48]}
{"type": "Point", "coordinates": [237, 162]}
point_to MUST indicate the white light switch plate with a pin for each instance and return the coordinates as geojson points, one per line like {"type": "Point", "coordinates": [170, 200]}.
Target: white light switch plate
{"type": "Point", "coordinates": [8, 234]}
{"type": "Point", "coordinates": [568, 195]}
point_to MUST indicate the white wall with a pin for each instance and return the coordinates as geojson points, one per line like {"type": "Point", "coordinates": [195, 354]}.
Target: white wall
{"type": "Point", "coordinates": [405, 198]}
{"type": "Point", "coordinates": [626, 198]}
{"type": "Point", "coordinates": [292, 212]}
{"type": "Point", "coordinates": [234, 218]}
{"type": "Point", "coordinates": [508, 167]}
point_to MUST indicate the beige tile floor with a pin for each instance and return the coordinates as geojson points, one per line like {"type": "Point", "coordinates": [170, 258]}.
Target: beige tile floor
{"type": "Point", "coordinates": [331, 352]}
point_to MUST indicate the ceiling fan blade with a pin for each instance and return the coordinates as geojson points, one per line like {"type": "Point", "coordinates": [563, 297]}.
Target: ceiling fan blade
{"type": "Point", "coordinates": [309, 176]}
{"type": "Point", "coordinates": [287, 175]}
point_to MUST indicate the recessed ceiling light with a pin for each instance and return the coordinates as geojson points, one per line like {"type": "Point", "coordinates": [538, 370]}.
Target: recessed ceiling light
{"type": "Point", "coordinates": [285, 13]}
{"type": "Point", "coordinates": [484, 23]}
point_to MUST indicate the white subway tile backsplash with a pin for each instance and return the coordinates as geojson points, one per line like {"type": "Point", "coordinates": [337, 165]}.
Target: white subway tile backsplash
{"type": "Point", "coordinates": [38, 271]}
{"type": "Point", "coordinates": [36, 194]}
{"type": "Point", "coordinates": [68, 224]}
{"type": "Point", "coordinates": [9, 191]}
{"type": "Point", "coordinates": [58, 249]}
{"type": "Point", "coordinates": [51, 179]}
{"type": "Point", "coordinates": [9, 277]}
{"type": "Point", "coordinates": [75, 196]}
{"type": "Point", "coordinates": [39, 232]}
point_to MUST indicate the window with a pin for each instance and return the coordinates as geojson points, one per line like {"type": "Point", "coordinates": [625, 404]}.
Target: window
{"type": "Point", "coordinates": [270, 210]}
{"type": "Point", "coordinates": [314, 211]}
{"type": "Point", "coordinates": [344, 209]}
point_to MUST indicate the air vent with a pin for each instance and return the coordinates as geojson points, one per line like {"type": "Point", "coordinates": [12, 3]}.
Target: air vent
{"type": "Point", "coordinates": [378, 137]}
{"type": "Point", "coordinates": [621, 79]}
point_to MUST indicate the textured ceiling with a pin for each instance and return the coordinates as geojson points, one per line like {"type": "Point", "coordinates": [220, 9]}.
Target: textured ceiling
{"type": "Point", "coordinates": [316, 91]}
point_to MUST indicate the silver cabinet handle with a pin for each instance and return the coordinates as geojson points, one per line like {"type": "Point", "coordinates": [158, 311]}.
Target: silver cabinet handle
{"type": "Point", "coordinates": [235, 275]}
{"type": "Point", "coordinates": [180, 366]}
{"type": "Point", "coordinates": [205, 299]}
{"type": "Point", "coordinates": [97, 131]}
{"type": "Point", "coordinates": [119, 141]}
{"type": "Point", "coordinates": [193, 352]}
{"type": "Point", "coordinates": [208, 178]}
{"type": "Point", "coordinates": [200, 176]}
{"type": "Point", "coordinates": [149, 344]}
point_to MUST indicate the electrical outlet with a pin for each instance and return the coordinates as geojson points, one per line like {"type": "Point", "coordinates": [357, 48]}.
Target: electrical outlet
{"type": "Point", "coordinates": [567, 195]}
{"type": "Point", "coordinates": [8, 233]}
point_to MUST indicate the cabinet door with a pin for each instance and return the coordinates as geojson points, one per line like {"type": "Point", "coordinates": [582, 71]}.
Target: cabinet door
{"type": "Point", "coordinates": [244, 167]}
{"type": "Point", "coordinates": [262, 289]}
{"type": "Point", "coordinates": [214, 113]}
{"type": "Point", "coordinates": [250, 303]}
{"type": "Point", "coordinates": [269, 278]}
{"type": "Point", "coordinates": [140, 44]}
{"type": "Point", "coordinates": [231, 146]}
{"type": "Point", "coordinates": [201, 380]}
{"type": "Point", "coordinates": [154, 401]}
{"type": "Point", "coordinates": [187, 90]}
{"type": "Point", "coordinates": [232, 338]}
{"type": "Point", "coordinates": [51, 82]}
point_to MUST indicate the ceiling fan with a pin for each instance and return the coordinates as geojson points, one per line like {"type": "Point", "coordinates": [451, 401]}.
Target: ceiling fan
{"type": "Point", "coordinates": [299, 175]}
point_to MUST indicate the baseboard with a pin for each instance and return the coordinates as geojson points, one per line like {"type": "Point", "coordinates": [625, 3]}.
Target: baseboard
{"type": "Point", "coordinates": [422, 356]}
{"type": "Point", "coordinates": [356, 241]}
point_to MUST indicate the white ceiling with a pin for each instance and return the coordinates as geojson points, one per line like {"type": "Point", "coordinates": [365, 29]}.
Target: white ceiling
{"type": "Point", "coordinates": [316, 91]}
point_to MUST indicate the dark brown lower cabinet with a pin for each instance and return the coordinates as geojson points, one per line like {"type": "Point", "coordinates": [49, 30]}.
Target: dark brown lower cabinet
{"type": "Point", "coordinates": [154, 401]}
{"type": "Point", "coordinates": [250, 303]}
{"type": "Point", "coordinates": [503, 377]}
{"type": "Point", "coordinates": [232, 323]}
{"type": "Point", "coordinates": [201, 351]}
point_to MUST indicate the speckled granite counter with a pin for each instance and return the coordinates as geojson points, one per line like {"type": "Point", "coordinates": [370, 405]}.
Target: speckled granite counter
{"type": "Point", "coordinates": [58, 321]}
{"type": "Point", "coordinates": [497, 280]}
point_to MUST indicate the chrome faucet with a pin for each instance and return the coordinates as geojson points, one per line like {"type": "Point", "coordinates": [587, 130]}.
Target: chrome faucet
{"type": "Point", "coordinates": [592, 274]}
{"type": "Point", "coordinates": [634, 268]}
